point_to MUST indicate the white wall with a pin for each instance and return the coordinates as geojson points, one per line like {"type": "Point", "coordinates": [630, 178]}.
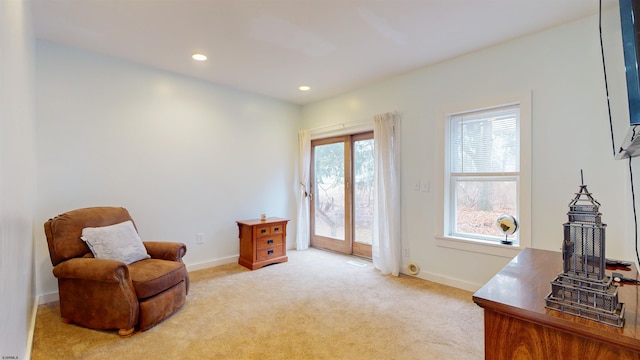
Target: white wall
{"type": "Point", "coordinates": [562, 69]}
{"type": "Point", "coordinates": [183, 156]}
{"type": "Point", "coordinates": [17, 179]}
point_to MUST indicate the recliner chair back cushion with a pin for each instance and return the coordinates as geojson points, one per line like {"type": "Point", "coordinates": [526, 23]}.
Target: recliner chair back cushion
{"type": "Point", "coordinates": [63, 231]}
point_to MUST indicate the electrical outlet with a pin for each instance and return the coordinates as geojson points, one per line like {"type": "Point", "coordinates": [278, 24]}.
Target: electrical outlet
{"type": "Point", "coordinates": [425, 186]}
{"type": "Point", "coordinates": [416, 186]}
{"type": "Point", "coordinates": [200, 238]}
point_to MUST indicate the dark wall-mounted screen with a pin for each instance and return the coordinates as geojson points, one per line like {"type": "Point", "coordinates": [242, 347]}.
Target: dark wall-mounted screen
{"type": "Point", "coordinates": [629, 16]}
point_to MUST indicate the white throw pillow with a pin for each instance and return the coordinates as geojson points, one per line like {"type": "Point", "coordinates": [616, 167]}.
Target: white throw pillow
{"type": "Point", "coordinates": [115, 242]}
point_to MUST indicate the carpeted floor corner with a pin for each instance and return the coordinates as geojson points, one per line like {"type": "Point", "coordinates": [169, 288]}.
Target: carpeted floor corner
{"type": "Point", "coordinates": [316, 306]}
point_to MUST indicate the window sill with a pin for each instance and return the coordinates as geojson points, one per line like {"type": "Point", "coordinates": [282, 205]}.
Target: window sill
{"type": "Point", "coordinates": [478, 246]}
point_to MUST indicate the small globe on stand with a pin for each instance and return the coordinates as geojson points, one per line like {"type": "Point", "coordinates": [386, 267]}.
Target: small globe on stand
{"type": "Point", "coordinates": [508, 225]}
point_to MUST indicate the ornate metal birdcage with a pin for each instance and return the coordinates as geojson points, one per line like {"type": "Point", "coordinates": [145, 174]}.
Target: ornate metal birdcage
{"type": "Point", "coordinates": [583, 289]}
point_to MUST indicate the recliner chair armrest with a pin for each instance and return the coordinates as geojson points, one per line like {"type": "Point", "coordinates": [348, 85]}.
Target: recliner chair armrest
{"type": "Point", "coordinates": [172, 251]}
{"type": "Point", "coordinates": [111, 271]}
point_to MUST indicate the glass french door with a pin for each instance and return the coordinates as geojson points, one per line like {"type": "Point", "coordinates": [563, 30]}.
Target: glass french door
{"type": "Point", "coordinates": [342, 177]}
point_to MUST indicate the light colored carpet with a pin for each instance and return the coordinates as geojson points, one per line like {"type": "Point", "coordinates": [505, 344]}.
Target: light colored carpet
{"type": "Point", "coordinates": [316, 306]}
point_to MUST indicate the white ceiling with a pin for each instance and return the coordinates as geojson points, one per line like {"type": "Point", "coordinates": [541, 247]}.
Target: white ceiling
{"type": "Point", "coordinates": [271, 47]}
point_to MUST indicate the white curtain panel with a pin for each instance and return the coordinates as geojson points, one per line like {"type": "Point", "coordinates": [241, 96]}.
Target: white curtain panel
{"type": "Point", "coordinates": [304, 165]}
{"type": "Point", "coordinates": [387, 245]}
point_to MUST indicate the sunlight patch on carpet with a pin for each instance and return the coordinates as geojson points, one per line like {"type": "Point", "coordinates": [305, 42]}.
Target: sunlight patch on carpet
{"type": "Point", "coordinates": [356, 263]}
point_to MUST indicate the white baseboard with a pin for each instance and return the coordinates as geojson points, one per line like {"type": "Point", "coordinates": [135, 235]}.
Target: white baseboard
{"type": "Point", "coordinates": [32, 329]}
{"type": "Point", "coordinates": [48, 298]}
{"type": "Point", "coordinates": [212, 263]}
{"type": "Point", "coordinates": [449, 281]}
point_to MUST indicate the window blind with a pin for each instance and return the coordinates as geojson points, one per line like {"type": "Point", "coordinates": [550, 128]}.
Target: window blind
{"type": "Point", "coordinates": [486, 141]}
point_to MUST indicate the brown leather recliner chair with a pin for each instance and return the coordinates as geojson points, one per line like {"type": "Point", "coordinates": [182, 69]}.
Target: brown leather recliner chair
{"type": "Point", "coordinates": [109, 294]}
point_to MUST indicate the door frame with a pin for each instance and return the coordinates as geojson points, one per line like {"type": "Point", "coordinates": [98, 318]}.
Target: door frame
{"type": "Point", "coordinates": [348, 245]}
{"type": "Point", "coordinates": [325, 242]}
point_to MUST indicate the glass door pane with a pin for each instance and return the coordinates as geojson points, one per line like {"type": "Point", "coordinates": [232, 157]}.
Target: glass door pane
{"type": "Point", "coordinates": [329, 191]}
{"type": "Point", "coordinates": [363, 191]}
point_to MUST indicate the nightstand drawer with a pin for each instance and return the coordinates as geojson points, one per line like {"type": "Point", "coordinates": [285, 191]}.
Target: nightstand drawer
{"type": "Point", "coordinates": [277, 229]}
{"type": "Point", "coordinates": [268, 253]}
{"type": "Point", "coordinates": [269, 241]}
{"type": "Point", "coordinates": [263, 230]}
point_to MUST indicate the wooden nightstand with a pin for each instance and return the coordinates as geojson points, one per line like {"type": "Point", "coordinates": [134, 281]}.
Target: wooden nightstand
{"type": "Point", "coordinates": [262, 242]}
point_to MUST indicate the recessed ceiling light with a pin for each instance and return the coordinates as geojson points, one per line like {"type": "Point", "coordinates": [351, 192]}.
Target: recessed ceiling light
{"type": "Point", "coordinates": [199, 57]}
{"type": "Point", "coordinates": [304, 88]}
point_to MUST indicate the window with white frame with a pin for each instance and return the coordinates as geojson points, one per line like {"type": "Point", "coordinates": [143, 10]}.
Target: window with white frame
{"type": "Point", "coordinates": [482, 173]}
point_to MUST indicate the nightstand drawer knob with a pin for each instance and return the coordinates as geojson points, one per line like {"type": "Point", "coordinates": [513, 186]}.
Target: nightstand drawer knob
{"type": "Point", "coordinates": [269, 242]}
{"type": "Point", "coordinates": [269, 252]}
{"type": "Point", "coordinates": [276, 229]}
{"type": "Point", "coordinates": [262, 231]}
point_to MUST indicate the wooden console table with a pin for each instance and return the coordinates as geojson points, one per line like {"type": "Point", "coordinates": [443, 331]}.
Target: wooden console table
{"type": "Point", "coordinates": [518, 326]}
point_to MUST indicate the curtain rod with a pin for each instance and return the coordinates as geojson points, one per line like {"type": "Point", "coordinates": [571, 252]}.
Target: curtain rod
{"type": "Point", "coordinates": [343, 125]}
